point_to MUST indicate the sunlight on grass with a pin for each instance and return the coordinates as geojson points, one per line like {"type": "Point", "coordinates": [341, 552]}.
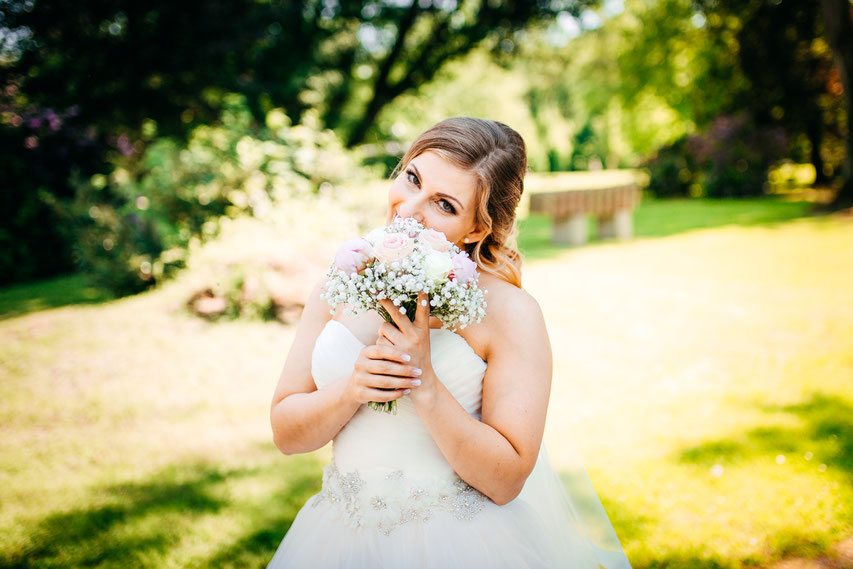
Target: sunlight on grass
{"type": "Point", "coordinates": [703, 375]}
{"type": "Point", "coordinates": [706, 379]}
{"type": "Point", "coordinates": [51, 293]}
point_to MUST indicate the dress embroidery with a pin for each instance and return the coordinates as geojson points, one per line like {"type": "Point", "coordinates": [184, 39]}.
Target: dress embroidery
{"type": "Point", "coordinates": [400, 501]}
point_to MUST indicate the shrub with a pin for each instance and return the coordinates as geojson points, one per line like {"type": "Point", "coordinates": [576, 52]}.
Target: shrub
{"type": "Point", "coordinates": [671, 171]}
{"type": "Point", "coordinates": [730, 159]}
{"type": "Point", "coordinates": [134, 227]}
{"type": "Point", "coordinates": [735, 155]}
{"type": "Point", "coordinates": [40, 149]}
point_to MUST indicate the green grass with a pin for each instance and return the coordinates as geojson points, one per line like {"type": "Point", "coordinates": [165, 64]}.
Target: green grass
{"type": "Point", "coordinates": [134, 435]}
{"type": "Point", "coordinates": [50, 293]}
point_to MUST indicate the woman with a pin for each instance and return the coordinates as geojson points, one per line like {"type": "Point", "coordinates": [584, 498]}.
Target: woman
{"type": "Point", "coordinates": [438, 484]}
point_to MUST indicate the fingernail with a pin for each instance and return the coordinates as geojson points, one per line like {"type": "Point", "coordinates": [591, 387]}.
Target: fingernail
{"type": "Point", "coordinates": [406, 391]}
{"type": "Point", "coordinates": [416, 371]}
{"type": "Point", "coordinates": [406, 357]}
{"type": "Point", "coordinates": [416, 382]}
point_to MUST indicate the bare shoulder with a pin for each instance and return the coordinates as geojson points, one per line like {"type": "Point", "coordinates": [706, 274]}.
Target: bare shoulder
{"type": "Point", "coordinates": [513, 317]}
{"type": "Point", "coordinates": [509, 305]}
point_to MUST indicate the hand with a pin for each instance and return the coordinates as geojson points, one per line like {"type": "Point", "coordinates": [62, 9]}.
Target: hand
{"type": "Point", "coordinates": [411, 338]}
{"type": "Point", "coordinates": [381, 373]}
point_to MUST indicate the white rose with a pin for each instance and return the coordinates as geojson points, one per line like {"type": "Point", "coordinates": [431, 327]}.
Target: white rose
{"type": "Point", "coordinates": [376, 236]}
{"type": "Point", "coordinates": [437, 266]}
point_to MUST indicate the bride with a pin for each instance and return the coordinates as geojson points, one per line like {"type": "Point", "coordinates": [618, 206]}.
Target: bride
{"type": "Point", "coordinates": [457, 478]}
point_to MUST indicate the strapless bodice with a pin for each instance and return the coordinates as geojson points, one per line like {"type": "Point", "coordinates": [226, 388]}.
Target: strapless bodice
{"type": "Point", "coordinates": [380, 461]}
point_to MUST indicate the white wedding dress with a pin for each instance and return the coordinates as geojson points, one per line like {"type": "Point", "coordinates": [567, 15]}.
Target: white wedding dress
{"type": "Point", "coordinates": [391, 500]}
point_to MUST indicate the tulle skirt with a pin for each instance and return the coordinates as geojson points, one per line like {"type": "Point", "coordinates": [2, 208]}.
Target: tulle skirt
{"type": "Point", "coordinates": [510, 536]}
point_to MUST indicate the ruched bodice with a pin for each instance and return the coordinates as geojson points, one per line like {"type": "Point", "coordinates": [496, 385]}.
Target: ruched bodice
{"type": "Point", "coordinates": [379, 459]}
{"type": "Point", "coordinates": [374, 439]}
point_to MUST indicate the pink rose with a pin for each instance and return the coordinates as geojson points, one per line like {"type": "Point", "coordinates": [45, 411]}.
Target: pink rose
{"type": "Point", "coordinates": [435, 239]}
{"type": "Point", "coordinates": [393, 247]}
{"type": "Point", "coordinates": [354, 255]}
{"type": "Point", "coordinates": [464, 269]}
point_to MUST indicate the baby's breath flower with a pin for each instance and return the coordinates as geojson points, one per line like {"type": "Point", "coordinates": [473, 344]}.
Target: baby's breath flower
{"type": "Point", "coordinates": [423, 269]}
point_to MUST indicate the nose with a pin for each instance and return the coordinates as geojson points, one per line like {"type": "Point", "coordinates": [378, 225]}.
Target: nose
{"type": "Point", "coordinates": [411, 208]}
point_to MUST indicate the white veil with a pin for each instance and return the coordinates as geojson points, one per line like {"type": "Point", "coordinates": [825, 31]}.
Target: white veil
{"type": "Point", "coordinates": [577, 525]}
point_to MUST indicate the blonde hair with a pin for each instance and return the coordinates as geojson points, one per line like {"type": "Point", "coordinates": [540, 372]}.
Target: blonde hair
{"type": "Point", "coordinates": [496, 154]}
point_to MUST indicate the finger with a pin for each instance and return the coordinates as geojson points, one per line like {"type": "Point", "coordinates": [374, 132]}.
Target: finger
{"type": "Point", "coordinates": [382, 395]}
{"type": "Point", "coordinates": [390, 382]}
{"type": "Point", "coordinates": [422, 312]}
{"type": "Point", "coordinates": [386, 352]}
{"type": "Point", "coordinates": [401, 320]}
{"type": "Point", "coordinates": [392, 334]}
{"type": "Point", "coordinates": [383, 341]}
{"type": "Point", "coordinates": [391, 369]}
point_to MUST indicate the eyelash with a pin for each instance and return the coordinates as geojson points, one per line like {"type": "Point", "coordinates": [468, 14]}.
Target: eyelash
{"type": "Point", "coordinates": [446, 206]}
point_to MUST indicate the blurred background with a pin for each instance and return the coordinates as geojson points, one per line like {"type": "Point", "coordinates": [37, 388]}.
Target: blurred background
{"type": "Point", "coordinates": [177, 175]}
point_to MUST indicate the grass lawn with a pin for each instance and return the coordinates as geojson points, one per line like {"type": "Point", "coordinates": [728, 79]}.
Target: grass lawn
{"type": "Point", "coordinates": [704, 375]}
{"type": "Point", "coordinates": [51, 293]}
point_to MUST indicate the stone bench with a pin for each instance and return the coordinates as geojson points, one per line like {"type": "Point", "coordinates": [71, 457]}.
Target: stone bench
{"type": "Point", "coordinates": [569, 209]}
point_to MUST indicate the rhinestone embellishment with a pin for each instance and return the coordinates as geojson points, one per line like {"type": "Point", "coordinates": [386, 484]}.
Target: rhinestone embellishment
{"type": "Point", "coordinates": [398, 500]}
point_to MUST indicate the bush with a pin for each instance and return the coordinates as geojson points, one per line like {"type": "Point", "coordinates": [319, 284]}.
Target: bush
{"type": "Point", "coordinates": [251, 291]}
{"type": "Point", "coordinates": [735, 155]}
{"type": "Point", "coordinates": [671, 171]}
{"type": "Point", "coordinates": [134, 226]}
{"type": "Point", "coordinates": [39, 151]}
{"type": "Point", "coordinates": [729, 160]}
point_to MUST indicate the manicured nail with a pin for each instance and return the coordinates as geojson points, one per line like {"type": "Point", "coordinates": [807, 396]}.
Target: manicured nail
{"type": "Point", "coordinates": [406, 357]}
{"type": "Point", "coordinates": [416, 371]}
{"type": "Point", "coordinates": [416, 382]}
{"type": "Point", "coordinates": [406, 391]}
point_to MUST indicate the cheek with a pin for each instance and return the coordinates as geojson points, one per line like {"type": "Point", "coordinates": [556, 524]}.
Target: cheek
{"type": "Point", "coordinates": [393, 200]}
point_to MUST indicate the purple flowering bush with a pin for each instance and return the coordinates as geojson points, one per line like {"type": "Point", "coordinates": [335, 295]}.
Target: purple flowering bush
{"type": "Point", "coordinates": [730, 159]}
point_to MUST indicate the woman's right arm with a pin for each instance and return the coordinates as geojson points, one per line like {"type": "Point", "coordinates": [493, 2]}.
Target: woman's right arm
{"type": "Point", "coordinates": [305, 418]}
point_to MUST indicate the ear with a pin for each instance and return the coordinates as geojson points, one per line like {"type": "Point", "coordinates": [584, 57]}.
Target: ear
{"type": "Point", "coordinates": [477, 234]}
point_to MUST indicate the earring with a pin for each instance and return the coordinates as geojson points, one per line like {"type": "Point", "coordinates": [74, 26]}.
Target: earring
{"type": "Point", "coordinates": [466, 240]}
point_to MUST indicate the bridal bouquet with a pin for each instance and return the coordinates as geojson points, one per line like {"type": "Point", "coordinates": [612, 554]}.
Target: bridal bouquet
{"type": "Point", "coordinates": [397, 262]}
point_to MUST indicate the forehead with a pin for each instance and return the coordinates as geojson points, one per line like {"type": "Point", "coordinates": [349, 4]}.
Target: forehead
{"type": "Point", "coordinates": [441, 175]}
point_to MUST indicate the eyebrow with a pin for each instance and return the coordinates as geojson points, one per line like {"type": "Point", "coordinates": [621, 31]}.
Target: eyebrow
{"type": "Point", "coordinates": [442, 194]}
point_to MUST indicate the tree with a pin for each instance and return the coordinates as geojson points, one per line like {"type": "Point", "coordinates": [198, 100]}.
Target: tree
{"type": "Point", "coordinates": [416, 41]}
{"type": "Point", "coordinates": [119, 74]}
{"type": "Point", "coordinates": [838, 19]}
{"type": "Point", "coordinates": [783, 53]}
{"type": "Point", "coordinates": [124, 63]}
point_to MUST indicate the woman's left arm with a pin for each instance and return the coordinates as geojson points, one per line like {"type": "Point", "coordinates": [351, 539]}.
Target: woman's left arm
{"type": "Point", "coordinates": [496, 454]}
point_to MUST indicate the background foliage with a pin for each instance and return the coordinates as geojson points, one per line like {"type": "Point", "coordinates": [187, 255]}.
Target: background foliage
{"type": "Point", "coordinates": [220, 150]}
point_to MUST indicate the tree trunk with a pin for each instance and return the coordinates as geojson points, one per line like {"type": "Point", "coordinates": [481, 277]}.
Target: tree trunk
{"type": "Point", "coordinates": [838, 21]}
{"type": "Point", "coordinates": [814, 131]}
{"type": "Point", "coordinates": [381, 87]}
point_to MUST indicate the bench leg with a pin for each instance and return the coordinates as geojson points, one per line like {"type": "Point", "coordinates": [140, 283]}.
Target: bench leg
{"type": "Point", "coordinates": [570, 230]}
{"type": "Point", "coordinates": [619, 225]}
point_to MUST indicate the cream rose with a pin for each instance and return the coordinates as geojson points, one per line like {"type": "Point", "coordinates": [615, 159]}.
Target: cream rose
{"type": "Point", "coordinates": [437, 266]}
{"type": "Point", "coordinates": [393, 247]}
{"type": "Point", "coordinates": [435, 239]}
